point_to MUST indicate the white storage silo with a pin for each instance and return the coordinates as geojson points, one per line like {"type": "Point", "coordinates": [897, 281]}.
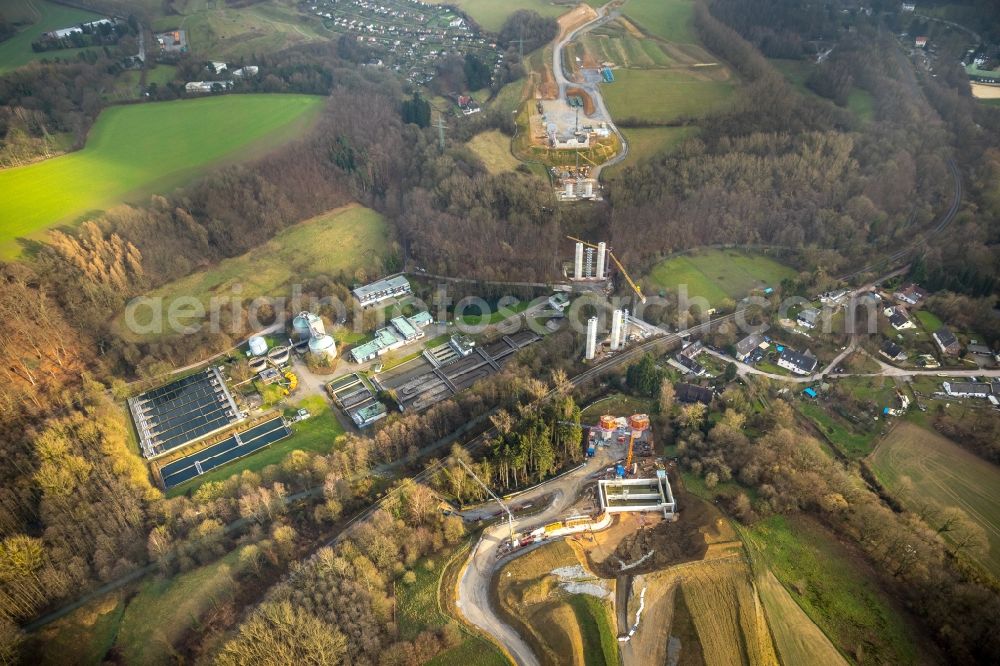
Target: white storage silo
{"type": "Point", "coordinates": [323, 347]}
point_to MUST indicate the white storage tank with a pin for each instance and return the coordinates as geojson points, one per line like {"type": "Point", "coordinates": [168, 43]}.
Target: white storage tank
{"type": "Point", "coordinates": [258, 346]}
{"type": "Point", "coordinates": [323, 347]}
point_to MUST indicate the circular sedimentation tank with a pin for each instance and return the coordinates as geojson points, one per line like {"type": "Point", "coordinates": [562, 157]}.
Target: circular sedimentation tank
{"type": "Point", "coordinates": [258, 363]}
{"type": "Point", "coordinates": [278, 355]}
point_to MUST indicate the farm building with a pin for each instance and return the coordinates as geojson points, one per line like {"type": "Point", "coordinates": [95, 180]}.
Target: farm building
{"type": "Point", "coordinates": [78, 29]}
{"type": "Point", "coordinates": [244, 72]}
{"type": "Point", "coordinates": [947, 341]}
{"type": "Point", "coordinates": [204, 87]}
{"type": "Point", "coordinates": [376, 292]}
{"type": "Point", "coordinates": [973, 390]}
{"type": "Point", "coordinates": [174, 41]}
{"type": "Point", "coordinates": [800, 363]}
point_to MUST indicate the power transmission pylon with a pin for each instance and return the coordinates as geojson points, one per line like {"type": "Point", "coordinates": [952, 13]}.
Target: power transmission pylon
{"type": "Point", "coordinates": [441, 127]}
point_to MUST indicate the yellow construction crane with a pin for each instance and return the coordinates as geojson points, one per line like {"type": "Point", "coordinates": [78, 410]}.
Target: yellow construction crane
{"type": "Point", "coordinates": [631, 449]}
{"type": "Point", "coordinates": [621, 268]}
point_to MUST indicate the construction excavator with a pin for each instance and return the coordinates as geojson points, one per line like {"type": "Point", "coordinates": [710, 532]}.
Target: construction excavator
{"type": "Point", "coordinates": [621, 268]}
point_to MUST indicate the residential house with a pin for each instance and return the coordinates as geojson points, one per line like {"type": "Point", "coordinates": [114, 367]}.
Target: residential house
{"type": "Point", "coordinates": [892, 351]}
{"type": "Point", "coordinates": [911, 294]}
{"type": "Point", "coordinates": [803, 363]}
{"type": "Point", "coordinates": [689, 393]}
{"type": "Point", "coordinates": [746, 346]}
{"type": "Point", "coordinates": [808, 318]}
{"type": "Point", "coordinates": [688, 365]}
{"type": "Point", "coordinates": [909, 7]}
{"type": "Point", "coordinates": [898, 319]}
{"type": "Point", "coordinates": [947, 341]}
{"type": "Point", "coordinates": [920, 42]}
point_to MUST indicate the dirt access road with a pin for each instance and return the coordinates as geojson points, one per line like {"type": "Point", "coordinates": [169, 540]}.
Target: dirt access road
{"type": "Point", "coordinates": [604, 14]}
{"type": "Point", "coordinates": [476, 582]}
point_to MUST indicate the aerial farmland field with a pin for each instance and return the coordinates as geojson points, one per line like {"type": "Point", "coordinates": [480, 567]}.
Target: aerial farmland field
{"type": "Point", "coordinates": [719, 274]}
{"type": "Point", "coordinates": [343, 240]}
{"type": "Point", "coordinates": [490, 14]}
{"type": "Point", "coordinates": [944, 474]}
{"type": "Point", "coordinates": [133, 151]}
{"type": "Point", "coordinates": [45, 16]}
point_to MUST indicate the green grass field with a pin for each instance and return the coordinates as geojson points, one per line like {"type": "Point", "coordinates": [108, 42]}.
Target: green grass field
{"type": "Point", "coordinates": [859, 102]}
{"type": "Point", "coordinates": [644, 143]}
{"type": "Point", "coordinates": [473, 651]}
{"type": "Point", "coordinates": [663, 95]}
{"type": "Point", "coordinates": [667, 19]}
{"type": "Point", "coordinates": [594, 617]}
{"type": "Point", "coordinates": [490, 14]}
{"type": "Point", "coordinates": [342, 240]}
{"type": "Point", "coordinates": [718, 274]}
{"type": "Point", "coordinates": [843, 434]}
{"type": "Point", "coordinates": [157, 618]}
{"type": "Point", "coordinates": [219, 31]}
{"type": "Point", "coordinates": [418, 609]}
{"type": "Point", "coordinates": [135, 150]}
{"type": "Point", "coordinates": [493, 148]}
{"type": "Point", "coordinates": [45, 16]}
{"type": "Point", "coordinates": [82, 637]}
{"type": "Point", "coordinates": [835, 589]}
{"type": "Point", "coordinates": [944, 474]}
{"type": "Point", "coordinates": [318, 434]}
{"type": "Point", "coordinates": [930, 321]}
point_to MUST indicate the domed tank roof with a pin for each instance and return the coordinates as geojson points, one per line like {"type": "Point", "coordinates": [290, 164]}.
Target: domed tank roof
{"type": "Point", "coordinates": [322, 344]}
{"type": "Point", "coordinates": [258, 346]}
{"type": "Point", "coordinates": [307, 325]}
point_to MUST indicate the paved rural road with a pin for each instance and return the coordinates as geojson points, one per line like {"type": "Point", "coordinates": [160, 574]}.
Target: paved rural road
{"type": "Point", "coordinates": [592, 89]}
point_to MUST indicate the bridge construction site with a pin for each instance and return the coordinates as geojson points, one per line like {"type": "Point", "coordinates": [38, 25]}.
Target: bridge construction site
{"type": "Point", "coordinates": [634, 482]}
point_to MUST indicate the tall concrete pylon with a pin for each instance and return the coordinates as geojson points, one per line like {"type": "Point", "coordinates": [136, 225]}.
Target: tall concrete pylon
{"type": "Point", "coordinates": [591, 338]}
{"type": "Point", "coordinates": [578, 262]}
{"type": "Point", "coordinates": [602, 250]}
{"type": "Point", "coordinates": [616, 330]}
